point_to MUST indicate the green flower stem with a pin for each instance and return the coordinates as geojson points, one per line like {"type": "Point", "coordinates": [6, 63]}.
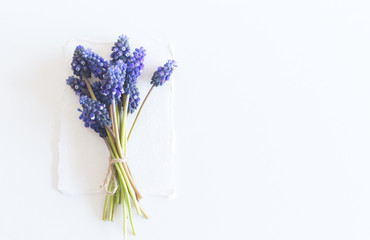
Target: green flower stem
{"type": "Point", "coordinates": [107, 196]}
{"type": "Point", "coordinates": [124, 212]}
{"type": "Point", "coordinates": [138, 113]}
{"type": "Point", "coordinates": [124, 140]}
{"type": "Point", "coordinates": [112, 110]}
{"type": "Point", "coordinates": [119, 165]}
{"type": "Point", "coordinates": [127, 170]}
{"type": "Point", "coordinates": [120, 198]}
{"type": "Point", "coordinates": [144, 213]}
{"type": "Point", "coordinates": [115, 155]}
{"type": "Point", "coordinates": [115, 127]}
{"type": "Point", "coordinates": [105, 207]}
{"type": "Point", "coordinates": [116, 197]}
{"type": "Point", "coordinates": [130, 190]}
{"type": "Point", "coordinates": [124, 184]}
{"type": "Point", "coordinates": [125, 207]}
{"type": "Point", "coordinates": [110, 213]}
{"type": "Point", "coordinates": [109, 200]}
{"type": "Point", "coordinates": [128, 181]}
{"type": "Point", "coordinates": [108, 129]}
{"type": "Point", "coordinates": [126, 195]}
{"type": "Point", "coordinates": [119, 119]}
{"type": "Point", "coordinates": [89, 88]}
{"type": "Point", "coordinates": [124, 123]}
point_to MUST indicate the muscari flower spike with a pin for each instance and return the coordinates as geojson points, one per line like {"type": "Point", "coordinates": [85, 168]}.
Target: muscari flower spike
{"type": "Point", "coordinates": [163, 74]}
{"type": "Point", "coordinates": [121, 50]}
{"type": "Point", "coordinates": [85, 62]}
{"type": "Point", "coordinates": [135, 64]}
{"type": "Point", "coordinates": [134, 100]}
{"type": "Point", "coordinates": [112, 83]}
{"type": "Point", "coordinates": [78, 85]}
{"type": "Point", "coordinates": [96, 87]}
{"type": "Point", "coordinates": [133, 71]}
{"type": "Point", "coordinates": [95, 115]}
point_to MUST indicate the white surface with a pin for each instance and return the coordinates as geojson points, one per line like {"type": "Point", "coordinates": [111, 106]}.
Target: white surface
{"type": "Point", "coordinates": [272, 118]}
{"type": "Point", "coordinates": [83, 155]}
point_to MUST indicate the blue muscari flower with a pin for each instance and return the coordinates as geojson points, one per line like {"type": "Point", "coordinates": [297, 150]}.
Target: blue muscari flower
{"type": "Point", "coordinates": [112, 83]}
{"type": "Point", "coordinates": [79, 65]}
{"type": "Point", "coordinates": [85, 62]}
{"type": "Point", "coordinates": [134, 99]}
{"type": "Point", "coordinates": [163, 74]}
{"type": "Point", "coordinates": [121, 50]}
{"type": "Point", "coordinates": [78, 85]}
{"type": "Point", "coordinates": [135, 64]}
{"type": "Point", "coordinates": [133, 71]}
{"type": "Point", "coordinates": [94, 114]}
{"type": "Point", "coordinates": [96, 87]}
{"type": "Point", "coordinates": [80, 88]}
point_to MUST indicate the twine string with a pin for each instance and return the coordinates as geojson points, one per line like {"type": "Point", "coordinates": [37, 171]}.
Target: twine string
{"type": "Point", "coordinates": [111, 174]}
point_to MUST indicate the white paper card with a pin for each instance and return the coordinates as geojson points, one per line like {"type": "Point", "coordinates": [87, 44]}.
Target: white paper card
{"type": "Point", "coordinates": [83, 155]}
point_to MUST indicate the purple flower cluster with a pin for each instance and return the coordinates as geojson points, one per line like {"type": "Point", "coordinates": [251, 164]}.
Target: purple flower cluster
{"type": "Point", "coordinates": [136, 63]}
{"type": "Point", "coordinates": [112, 83]}
{"type": "Point", "coordinates": [134, 69]}
{"type": "Point", "coordinates": [94, 114]}
{"type": "Point", "coordinates": [85, 62]}
{"type": "Point", "coordinates": [133, 102]}
{"type": "Point", "coordinates": [163, 74]}
{"type": "Point", "coordinates": [115, 78]}
{"type": "Point", "coordinates": [121, 50]}
{"type": "Point", "coordinates": [78, 85]}
{"type": "Point", "coordinates": [96, 87]}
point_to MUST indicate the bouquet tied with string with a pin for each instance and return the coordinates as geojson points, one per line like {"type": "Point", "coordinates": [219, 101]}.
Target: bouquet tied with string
{"type": "Point", "coordinates": [108, 95]}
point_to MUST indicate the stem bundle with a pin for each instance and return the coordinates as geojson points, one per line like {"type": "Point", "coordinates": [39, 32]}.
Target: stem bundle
{"type": "Point", "coordinates": [121, 179]}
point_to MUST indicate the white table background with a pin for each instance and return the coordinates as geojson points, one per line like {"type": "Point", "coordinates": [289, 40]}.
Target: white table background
{"type": "Point", "coordinates": [272, 118]}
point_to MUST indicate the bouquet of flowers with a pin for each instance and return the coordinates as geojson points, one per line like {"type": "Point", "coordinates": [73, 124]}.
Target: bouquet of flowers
{"type": "Point", "coordinates": [108, 94]}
